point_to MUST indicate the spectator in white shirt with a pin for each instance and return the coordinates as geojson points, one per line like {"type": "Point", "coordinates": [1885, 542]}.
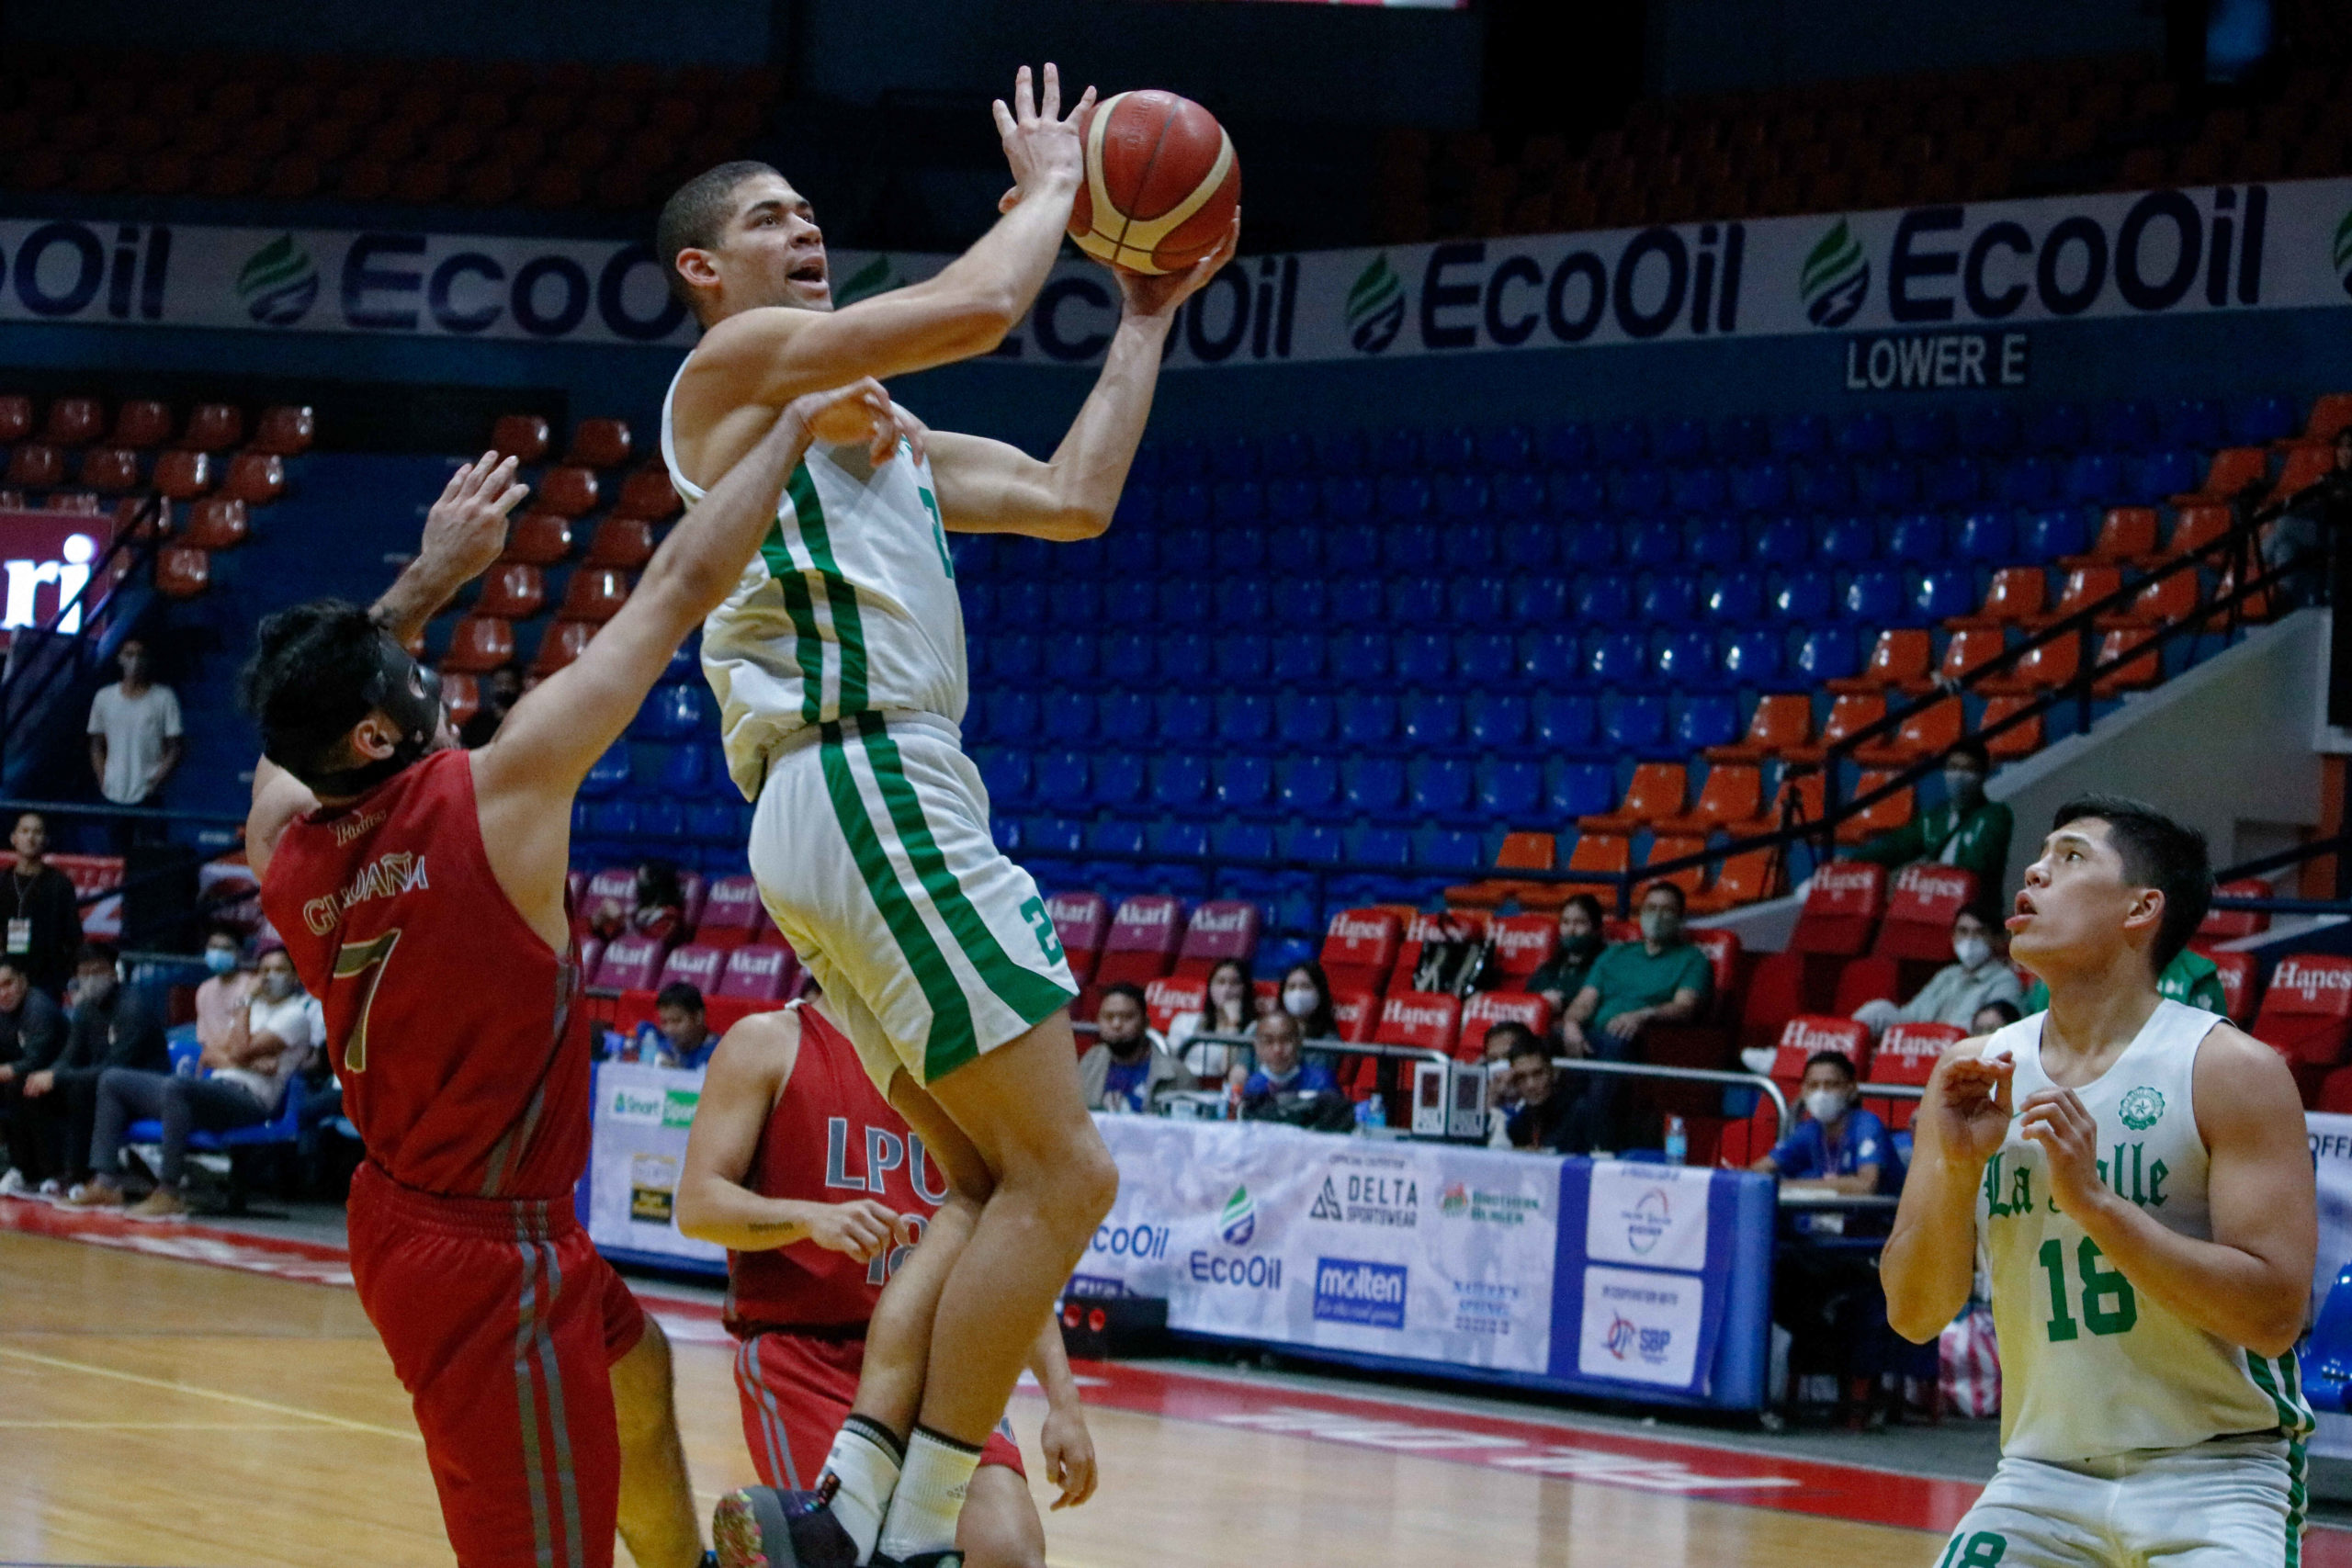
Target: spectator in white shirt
{"type": "Point", "coordinates": [135, 732]}
{"type": "Point", "coordinates": [1979, 976]}
{"type": "Point", "coordinates": [249, 1074]}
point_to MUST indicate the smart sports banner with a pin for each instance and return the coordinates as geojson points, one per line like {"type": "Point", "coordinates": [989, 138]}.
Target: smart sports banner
{"type": "Point", "coordinates": [642, 1114]}
{"type": "Point", "coordinates": [1927, 296]}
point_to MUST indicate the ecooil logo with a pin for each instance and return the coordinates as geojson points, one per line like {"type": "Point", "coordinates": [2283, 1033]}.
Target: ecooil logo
{"type": "Point", "coordinates": [1376, 307]}
{"type": "Point", "coordinates": [2343, 251]}
{"type": "Point", "coordinates": [278, 283]}
{"type": "Point", "coordinates": [1835, 279]}
{"type": "Point", "coordinates": [1238, 1222]}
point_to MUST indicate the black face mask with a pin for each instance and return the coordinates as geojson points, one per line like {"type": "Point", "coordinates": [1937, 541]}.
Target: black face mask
{"type": "Point", "coordinates": [1580, 946]}
{"type": "Point", "coordinates": [404, 692]}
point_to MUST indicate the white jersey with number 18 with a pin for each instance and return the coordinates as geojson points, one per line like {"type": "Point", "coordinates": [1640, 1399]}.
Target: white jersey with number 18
{"type": "Point", "coordinates": [2090, 1367]}
{"type": "Point", "coordinates": [849, 607]}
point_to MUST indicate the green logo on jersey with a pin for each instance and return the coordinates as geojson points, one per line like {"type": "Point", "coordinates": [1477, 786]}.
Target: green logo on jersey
{"type": "Point", "coordinates": [2140, 1109]}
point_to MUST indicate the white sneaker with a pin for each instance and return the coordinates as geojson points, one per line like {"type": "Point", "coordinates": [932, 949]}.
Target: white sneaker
{"type": "Point", "coordinates": [13, 1184]}
{"type": "Point", "coordinates": [50, 1191]}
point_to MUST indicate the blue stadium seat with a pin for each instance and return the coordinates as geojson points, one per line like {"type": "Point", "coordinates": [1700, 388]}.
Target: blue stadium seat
{"type": "Point", "coordinates": [1124, 718]}
{"type": "Point", "coordinates": [1347, 500]}
{"type": "Point", "coordinates": [1304, 600]}
{"type": "Point", "coordinates": [2026, 481]}
{"type": "Point", "coordinates": [1341, 452]}
{"type": "Point", "coordinates": [1679, 440]}
{"type": "Point", "coordinates": [1733, 600]}
{"type": "Point", "coordinates": [1233, 457]}
{"type": "Point", "coordinates": [1484, 659]}
{"type": "Point", "coordinates": [2257, 420]}
{"type": "Point", "coordinates": [2123, 425]}
{"type": "Point", "coordinates": [715, 822]}
{"type": "Point", "coordinates": [1477, 600]}
{"type": "Point", "coordinates": [1126, 656]}
{"type": "Point", "coordinates": [1496, 720]}
{"type": "Point", "coordinates": [1820, 485]}
{"type": "Point", "coordinates": [1242, 656]}
{"type": "Point", "coordinates": [611, 819]}
{"type": "Point", "coordinates": [1049, 834]}
{"type": "Point", "coordinates": [609, 774]}
{"type": "Point", "coordinates": [1064, 778]}
{"type": "Point", "coordinates": [1863, 434]}
{"type": "Point", "coordinates": [1306, 786]}
{"type": "Point", "coordinates": [1185, 656]}
{"type": "Point", "coordinates": [1703, 719]}
{"type": "Point", "coordinates": [1241, 781]}
{"type": "Point", "coordinates": [1244, 718]}
{"type": "Point", "coordinates": [1401, 498]}
{"type": "Point", "coordinates": [2094, 477]}
{"type": "Point", "coordinates": [1437, 786]}
{"type": "Point", "coordinates": [1944, 592]}
{"type": "Point", "coordinates": [1396, 451]}
{"type": "Point", "coordinates": [1431, 718]}
{"type": "Point", "coordinates": [1539, 599]}
{"type": "Point", "coordinates": [2155, 475]}
{"type": "Point", "coordinates": [1684, 658]}
{"type": "Point", "coordinates": [1507, 448]}
{"type": "Point", "coordinates": [974, 554]}
{"type": "Point", "coordinates": [1290, 504]}
{"type": "Point", "coordinates": [1985, 537]}
{"type": "Point", "coordinates": [1298, 655]}
{"type": "Point", "coordinates": [2055, 427]}
{"type": "Point", "coordinates": [1185, 717]}
{"type": "Point", "coordinates": [1070, 654]}
{"type": "Point", "coordinates": [1359, 658]}
{"type": "Point", "coordinates": [1563, 721]}
{"type": "Point", "coordinates": [1519, 495]}
{"type": "Point", "coordinates": [1006, 832]}
{"type": "Point", "coordinates": [1461, 497]}
{"type": "Point", "coordinates": [1081, 558]}
{"type": "Point", "coordinates": [1885, 482]}
{"type": "Point", "coordinates": [1551, 658]}
{"type": "Point", "coordinates": [1798, 434]}
{"type": "Point", "coordinates": [1804, 597]}
{"type": "Point", "coordinates": [1118, 778]}
{"type": "Point", "coordinates": [1620, 440]}
{"type": "Point", "coordinates": [1069, 717]}
{"type": "Point", "coordinates": [685, 771]}
{"type": "Point", "coordinates": [1716, 540]}
{"type": "Point", "coordinates": [1845, 540]}
{"type": "Point", "coordinates": [979, 599]}
{"type": "Point", "coordinates": [1186, 458]}
{"type": "Point", "coordinates": [1371, 784]}
{"type": "Point", "coordinates": [2189, 422]}
{"type": "Point", "coordinates": [1667, 599]}
{"type": "Point", "coordinates": [1781, 540]}
{"type": "Point", "coordinates": [1180, 779]}
{"type": "Point", "coordinates": [1988, 429]}
{"type": "Point", "coordinates": [1697, 489]}
{"type": "Point", "coordinates": [1827, 653]}
{"type": "Point", "coordinates": [1654, 543]}
{"type": "Point", "coordinates": [1759, 485]}
{"type": "Point", "coordinates": [1186, 600]}
{"type": "Point", "coordinates": [1468, 547]}
{"type": "Point", "coordinates": [1013, 715]}
{"type": "Point", "coordinates": [1874, 595]}
{"type": "Point", "coordinates": [1632, 721]}
{"type": "Point", "coordinates": [1577, 492]}
{"type": "Point", "coordinates": [1947, 481]}
{"type": "Point", "coordinates": [1023, 603]}
{"type": "Point", "coordinates": [1315, 843]}
{"type": "Point", "coordinates": [1923, 432]}
{"type": "Point", "coordinates": [1240, 549]}
{"type": "Point", "coordinates": [1233, 840]}
{"type": "Point", "coordinates": [1416, 600]}
{"type": "Point", "coordinates": [662, 819]}
{"type": "Point", "coordinates": [2052, 532]}
{"type": "Point", "coordinates": [1423, 656]}
{"type": "Point", "coordinates": [1603, 597]}
{"type": "Point", "coordinates": [1359, 601]}
{"type": "Point", "coordinates": [1183, 506]}
{"type": "Point", "coordinates": [1012, 657]}
{"type": "Point", "coordinates": [1637, 491]}
{"type": "Point", "coordinates": [1005, 771]}
{"type": "Point", "coordinates": [1367, 718]}
{"type": "Point", "coordinates": [1175, 839]}
{"type": "Point", "coordinates": [1128, 553]}
{"type": "Point", "coordinates": [1449, 849]}
{"type": "Point", "coordinates": [1588, 544]}
{"type": "Point", "coordinates": [1916, 536]}
{"type": "Point", "coordinates": [1138, 509]}
{"type": "Point", "coordinates": [1751, 656]}
{"type": "Point", "coordinates": [1580, 789]}
{"type": "Point", "coordinates": [1304, 718]}
{"type": "Point", "coordinates": [1567, 445]}
{"type": "Point", "coordinates": [1508, 791]}
{"type": "Point", "coordinates": [1381, 846]}
{"type": "Point", "coordinates": [676, 712]}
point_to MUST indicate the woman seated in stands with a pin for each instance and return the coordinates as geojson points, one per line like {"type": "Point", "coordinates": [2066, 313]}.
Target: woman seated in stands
{"type": "Point", "coordinates": [1231, 1008]}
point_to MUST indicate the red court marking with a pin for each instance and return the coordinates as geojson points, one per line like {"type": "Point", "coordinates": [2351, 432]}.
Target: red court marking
{"type": "Point", "coordinates": [1654, 1464]}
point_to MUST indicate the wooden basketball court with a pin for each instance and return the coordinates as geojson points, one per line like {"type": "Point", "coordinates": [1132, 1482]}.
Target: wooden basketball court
{"type": "Point", "coordinates": [160, 1410]}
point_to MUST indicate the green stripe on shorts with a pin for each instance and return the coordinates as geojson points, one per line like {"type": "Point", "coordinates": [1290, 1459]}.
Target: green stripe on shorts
{"type": "Point", "coordinates": [951, 1038]}
{"type": "Point", "coordinates": [1029, 994]}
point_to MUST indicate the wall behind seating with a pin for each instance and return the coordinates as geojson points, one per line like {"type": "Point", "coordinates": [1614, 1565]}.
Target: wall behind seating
{"type": "Point", "coordinates": [1715, 46]}
{"type": "Point", "coordinates": [715, 32]}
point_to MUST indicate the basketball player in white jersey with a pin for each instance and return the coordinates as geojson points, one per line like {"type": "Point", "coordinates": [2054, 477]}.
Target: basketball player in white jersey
{"type": "Point", "coordinates": [839, 667]}
{"type": "Point", "coordinates": [2137, 1176]}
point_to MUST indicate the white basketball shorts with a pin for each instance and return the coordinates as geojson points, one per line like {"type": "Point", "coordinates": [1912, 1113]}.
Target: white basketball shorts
{"type": "Point", "coordinates": [2229, 1503]}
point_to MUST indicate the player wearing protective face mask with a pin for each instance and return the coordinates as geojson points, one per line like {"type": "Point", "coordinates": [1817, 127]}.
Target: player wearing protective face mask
{"type": "Point", "coordinates": [1979, 976]}
{"type": "Point", "coordinates": [1967, 830]}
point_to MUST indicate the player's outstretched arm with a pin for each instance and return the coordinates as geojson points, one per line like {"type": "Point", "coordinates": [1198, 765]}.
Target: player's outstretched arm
{"type": "Point", "coordinates": [1929, 1263]}
{"type": "Point", "coordinates": [747, 1072]}
{"type": "Point", "coordinates": [2251, 1284]}
{"type": "Point", "coordinates": [1067, 1446]}
{"type": "Point", "coordinates": [992, 487]}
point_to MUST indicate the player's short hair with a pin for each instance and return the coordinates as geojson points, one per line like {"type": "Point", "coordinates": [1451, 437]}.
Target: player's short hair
{"type": "Point", "coordinates": [14, 964]}
{"type": "Point", "coordinates": [1681, 904]}
{"type": "Point", "coordinates": [308, 676]}
{"type": "Point", "coordinates": [1530, 1046]}
{"type": "Point", "coordinates": [1968, 748]}
{"type": "Point", "coordinates": [1133, 994]}
{"type": "Point", "coordinates": [696, 216]}
{"type": "Point", "coordinates": [1518, 1035]}
{"type": "Point", "coordinates": [1838, 1059]}
{"type": "Point", "coordinates": [2158, 853]}
{"type": "Point", "coordinates": [2006, 1011]}
{"type": "Point", "coordinates": [680, 995]}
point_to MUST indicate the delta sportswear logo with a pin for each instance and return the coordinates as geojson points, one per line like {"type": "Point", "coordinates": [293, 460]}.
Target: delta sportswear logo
{"type": "Point", "coordinates": [278, 283]}
{"type": "Point", "coordinates": [1327, 1204]}
{"type": "Point", "coordinates": [1376, 307]}
{"type": "Point", "coordinates": [1835, 279]}
{"type": "Point", "coordinates": [2140, 1109]}
{"type": "Point", "coordinates": [1238, 1222]}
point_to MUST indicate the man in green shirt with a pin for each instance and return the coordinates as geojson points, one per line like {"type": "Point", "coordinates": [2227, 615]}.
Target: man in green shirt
{"type": "Point", "coordinates": [1967, 830]}
{"type": "Point", "coordinates": [2191, 979]}
{"type": "Point", "coordinates": [1660, 979]}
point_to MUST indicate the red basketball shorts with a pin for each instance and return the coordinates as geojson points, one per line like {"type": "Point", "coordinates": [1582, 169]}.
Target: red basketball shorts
{"type": "Point", "coordinates": [502, 1323]}
{"type": "Point", "coordinates": [795, 1390]}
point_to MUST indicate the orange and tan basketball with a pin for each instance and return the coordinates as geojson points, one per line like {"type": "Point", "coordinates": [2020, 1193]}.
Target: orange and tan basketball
{"type": "Point", "coordinates": [1161, 182]}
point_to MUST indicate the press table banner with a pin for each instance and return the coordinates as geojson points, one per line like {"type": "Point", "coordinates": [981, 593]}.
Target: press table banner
{"type": "Point", "coordinates": [2331, 1141]}
{"type": "Point", "coordinates": [1952, 280]}
{"type": "Point", "coordinates": [640, 1145]}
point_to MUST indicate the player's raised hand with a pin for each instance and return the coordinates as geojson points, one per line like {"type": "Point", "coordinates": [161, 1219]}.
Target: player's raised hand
{"type": "Point", "coordinates": [1040, 142]}
{"type": "Point", "coordinates": [1966, 1108]}
{"type": "Point", "coordinates": [2057, 1120]}
{"type": "Point", "coordinates": [1069, 1453]}
{"type": "Point", "coordinates": [859, 411]}
{"type": "Point", "coordinates": [863, 1229]}
{"type": "Point", "coordinates": [1149, 295]}
{"type": "Point", "coordinates": [465, 529]}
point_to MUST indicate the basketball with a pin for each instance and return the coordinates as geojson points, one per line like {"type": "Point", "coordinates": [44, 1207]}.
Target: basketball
{"type": "Point", "coordinates": [1161, 182]}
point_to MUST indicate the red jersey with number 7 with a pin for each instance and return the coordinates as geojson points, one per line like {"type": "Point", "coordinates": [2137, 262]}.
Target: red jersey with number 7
{"type": "Point", "coordinates": [449, 1019]}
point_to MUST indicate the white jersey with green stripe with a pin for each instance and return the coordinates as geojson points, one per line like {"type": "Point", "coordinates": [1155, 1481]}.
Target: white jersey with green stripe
{"type": "Point", "coordinates": [2090, 1367]}
{"type": "Point", "coordinates": [849, 607]}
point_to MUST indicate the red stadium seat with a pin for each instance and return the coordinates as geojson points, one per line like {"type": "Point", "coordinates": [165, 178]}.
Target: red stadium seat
{"type": "Point", "coordinates": [562, 643]}
{"type": "Point", "coordinates": [2330, 413]}
{"type": "Point", "coordinates": [1519, 851]}
{"type": "Point", "coordinates": [1429, 1021]}
{"type": "Point", "coordinates": [212, 427]}
{"type": "Point", "coordinates": [1781, 986]}
{"type": "Point", "coordinates": [1690, 879]}
{"type": "Point", "coordinates": [1360, 949]}
{"type": "Point", "coordinates": [697, 964]}
{"type": "Point", "coordinates": [2194, 527]}
{"type": "Point", "coordinates": [1882, 817]}
{"type": "Point", "coordinates": [1354, 1012]}
{"type": "Point", "coordinates": [614, 884]}
{"type": "Point", "coordinates": [2127, 537]}
{"type": "Point", "coordinates": [2131, 673]}
{"type": "Point", "coordinates": [511, 592]}
{"type": "Point", "coordinates": [1741, 879]}
{"type": "Point", "coordinates": [594, 595]}
{"type": "Point", "coordinates": [2015, 598]}
{"type": "Point", "coordinates": [760, 972]}
{"type": "Point", "coordinates": [1783, 722]}
{"type": "Point", "coordinates": [1722, 949]}
{"type": "Point", "coordinates": [16, 417]}
{"type": "Point", "coordinates": [2232, 468]}
{"type": "Point", "coordinates": [521, 436]}
{"type": "Point", "coordinates": [1920, 908]}
{"type": "Point", "coordinates": [2040, 670]}
{"type": "Point", "coordinates": [1849, 715]}
{"type": "Point", "coordinates": [1082, 923]}
{"type": "Point", "coordinates": [2022, 740]}
{"type": "Point", "coordinates": [1968, 649]}
{"type": "Point", "coordinates": [109, 471]}
{"type": "Point", "coordinates": [182, 572]}
{"type": "Point", "coordinates": [626, 543]}
{"type": "Point", "coordinates": [732, 914]}
{"type": "Point", "coordinates": [35, 464]}
{"type": "Point", "coordinates": [1863, 980]}
{"type": "Point", "coordinates": [142, 422]}
{"type": "Point", "coordinates": [1170, 995]}
{"type": "Point", "coordinates": [1842, 910]}
{"type": "Point", "coordinates": [1734, 793]}
{"type": "Point", "coordinates": [257, 477]}
{"type": "Point", "coordinates": [1899, 658]}
{"type": "Point", "coordinates": [1930, 730]}
{"type": "Point", "coordinates": [569, 492]}
{"type": "Point", "coordinates": [1422, 927]}
{"type": "Point", "coordinates": [2237, 971]}
{"type": "Point", "coordinates": [1602, 853]}
{"type": "Point", "coordinates": [629, 964]}
{"type": "Point", "coordinates": [1484, 1009]}
{"type": "Point", "coordinates": [1143, 941]}
{"type": "Point", "coordinates": [1657, 791]}
{"type": "Point", "coordinates": [460, 696]}
{"type": "Point", "coordinates": [1807, 1035]}
{"type": "Point", "coordinates": [540, 538]}
{"type": "Point", "coordinates": [285, 430]}
{"type": "Point", "coordinates": [1523, 944]}
{"type": "Point", "coordinates": [1907, 1053]}
{"type": "Point", "coordinates": [2306, 1012]}
{"type": "Point", "coordinates": [2230, 925]}
{"type": "Point", "coordinates": [216, 522]}
{"type": "Point", "coordinates": [1219, 929]}
{"type": "Point", "coordinates": [478, 646]}
{"type": "Point", "coordinates": [647, 494]}
{"type": "Point", "coordinates": [73, 422]}
{"type": "Point", "coordinates": [184, 476]}
{"type": "Point", "coordinates": [599, 444]}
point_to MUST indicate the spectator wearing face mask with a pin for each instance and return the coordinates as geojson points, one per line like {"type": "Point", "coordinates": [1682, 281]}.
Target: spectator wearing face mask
{"type": "Point", "coordinates": [1305, 995]}
{"type": "Point", "coordinates": [1838, 1145]}
{"type": "Point", "coordinates": [1661, 978]}
{"type": "Point", "coordinates": [1979, 974]}
{"type": "Point", "coordinates": [1126, 1069]}
{"type": "Point", "coordinates": [30, 1026]}
{"type": "Point", "coordinates": [1967, 830]}
{"type": "Point", "coordinates": [247, 1084]}
{"type": "Point", "coordinates": [1229, 1008]}
{"type": "Point", "coordinates": [1562, 976]}
{"type": "Point", "coordinates": [222, 1000]}
{"type": "Point", "coordinates": [110, 1026]}
{"type": "Point", "coordinates": [1283, 1087]}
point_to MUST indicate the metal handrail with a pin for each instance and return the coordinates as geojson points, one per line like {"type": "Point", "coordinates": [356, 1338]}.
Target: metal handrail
{"type": "Point", "coordinates": [1685, 1075]}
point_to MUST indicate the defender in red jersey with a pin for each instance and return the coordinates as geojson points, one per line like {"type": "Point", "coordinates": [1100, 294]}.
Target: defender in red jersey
{"type": "Point", "coordinates": [421, 894]}
{"type": "Point", "coordinates": [821, 1192]}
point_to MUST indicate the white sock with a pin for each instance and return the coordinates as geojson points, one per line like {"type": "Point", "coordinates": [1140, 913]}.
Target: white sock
{"type": "Point", "coordinates": [865, 1459]}
{"type": "Point", "coordinates": [930, 1497]}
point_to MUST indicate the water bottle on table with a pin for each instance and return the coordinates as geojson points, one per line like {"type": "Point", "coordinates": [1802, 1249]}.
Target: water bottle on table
{"type": "Point", "coordinates": [1678, 1142]}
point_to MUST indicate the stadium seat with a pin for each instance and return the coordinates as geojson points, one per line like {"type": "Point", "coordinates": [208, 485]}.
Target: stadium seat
{"type": "Point", "coordinates": [1849, 715]}
{"type": "Point", "coordinates": [215, 523]}
{"type": "Point", "coordinates": [594, 595]}
{"type": "Point", "coordinates": [16, 417]}
{"type": "Point", "coordinates": [255, 477]}
{"type": "Point", "coordinates": [1807, 1035]}
{"type": "Point", "coordinates": [647, 495]}
{"type": "Point", "coordinates": [1142, 942]}
{"type": "Point", "coordinates": [73, 422]}
{"type": "Point", "coordinates": [2127, 673]}
{"type": "Point", "coordinates": [35, 465]}
{"type": "Point", "coordinates": [1082, 923]}
{"type": "Point", "coordinates": [1519, 851]}
{"type": "Point", "coordinates": [1427, 1021]}
{"type": "Point", "coordinates": [183, 572]}
{"type": "Point", "coordinates": [285, 430]}
{"type": "Point", "coordinates": [1360, 948]}
{"type": "Point", "coordinates": [1882, 816]}
{"type": "Point", "coordinates": [1922, 902]}
{"type": "Point", "coordinates": [1842, 910]}
{"type": "Point", "coordinates": [2232, 471]}
{"type": "Point", "coordinates": [1923, 733]}
{"type": "Point", "coordinates": [2015, 598]}
{"type": "Point", "coordinates": [1899, 658]}
{"type": "Point", "coordinates": [622, 543]}
{"type": "Point", "coordinates": [629, 964]}
{"type": "Point", "coordinates": [521, 436]}
{"type": "Point", "coordinates": [480, 645]}
{"type": "Point", "coordinates": [694, 964]}
{"type": "Point", "coordinates": [598, 444]}
{"type": "Point", "coordinates": [2195, 528]}
{"type": "Point", "coordinates": [212, 427]}
{"type": "Point", "coordinates": [2306, 1013]}
{"type": "Point", "coordinates": [183, 476]}
{"type": "Point", "coordinates": [2231, 925]}
{"type": "Point", "coordinates": [1658, 792]}
{"type": "Point", "coordinates": [2236, 972]}
{"type": "Point", "coordinates": [1734, 793]}
{"type": "Point", "coordinates": [1482, 1011]}
{"type": "Point", "coordinates": [1741, 878]}
{"type": "Point", "coordinates": [1781, 721]}
{"type": "Point", "coordinates": [511, 592]}
{"type": "Point", "coordinates": [140, 423]}
{"type": "Point", "coordinates": [560, 645]}
{"type": "Point", "coordinates": [760, 972]}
